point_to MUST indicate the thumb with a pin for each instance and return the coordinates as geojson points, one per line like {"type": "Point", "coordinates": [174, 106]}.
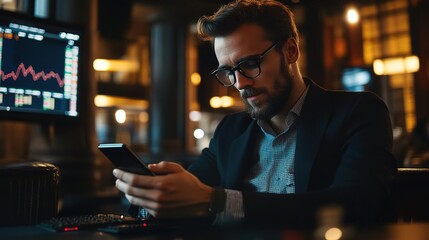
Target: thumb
{"type": "Point", "coordinates": [165, 167]}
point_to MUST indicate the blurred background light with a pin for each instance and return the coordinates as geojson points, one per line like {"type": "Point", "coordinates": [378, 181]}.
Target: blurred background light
{"type": "Point", "coordinates": [352, 15]}
{"type": "Point", "coordinates": [195, 79]}
{"type": "Point", "coordinates": [215, 102]}
{"type": "Point", "coordinates": [115, 65]}
{"type": "Point", "coordinates": [224, 102]}
{"type": "Point", "coordinates": [144, 117]}
{"type": "Point", "coordinates": [195, 116]}
{"type": "Point", "coordinates": [198, 133]}
{"type": "Point", "coordinates": [333, 234]}
{"type": "Point", "coordinates": [120, 116]}
{"type": "Point", "coordinates": [112, 101]}
{"type": "Point", "coordinates": [396, 65]}
{"type": "Point", "coordinates": [227, 101]}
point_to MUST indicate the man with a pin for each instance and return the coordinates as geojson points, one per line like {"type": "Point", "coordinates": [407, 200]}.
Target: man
{"type": "Point", "coordinates": [299, 148]}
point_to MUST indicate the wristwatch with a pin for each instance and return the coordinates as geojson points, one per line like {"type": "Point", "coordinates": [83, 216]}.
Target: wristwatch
{"type": "Point", "coordinates": [217, 201]}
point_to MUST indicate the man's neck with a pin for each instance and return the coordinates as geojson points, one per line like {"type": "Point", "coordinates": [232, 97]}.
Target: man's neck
{"type": "Point", "coordinates": [278, 122]}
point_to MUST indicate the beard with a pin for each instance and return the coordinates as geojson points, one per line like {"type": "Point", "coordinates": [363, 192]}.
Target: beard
{"type": "Point", "coordinates": [275, 101]}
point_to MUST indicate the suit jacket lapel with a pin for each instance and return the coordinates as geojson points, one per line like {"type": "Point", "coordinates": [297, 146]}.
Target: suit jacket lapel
{"type": "Point", "coordinates": [239, 158]}
{"type": "Point", "coordinates": [312, 125]}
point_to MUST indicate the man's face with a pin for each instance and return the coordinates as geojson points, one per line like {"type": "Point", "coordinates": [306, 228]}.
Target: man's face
{"type": "Point", "coordinates": [267, 94]}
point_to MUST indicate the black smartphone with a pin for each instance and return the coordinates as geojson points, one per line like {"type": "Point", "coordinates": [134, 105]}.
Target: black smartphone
{"type": "Point", "coordinates": [125, 159]}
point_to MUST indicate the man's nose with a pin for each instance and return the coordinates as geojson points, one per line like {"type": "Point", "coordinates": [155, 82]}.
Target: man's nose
{"type": "Point", "coordinates": [242, 81]}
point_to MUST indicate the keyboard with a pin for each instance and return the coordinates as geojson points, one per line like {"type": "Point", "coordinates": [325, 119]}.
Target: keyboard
{"type": "Point", "coordinates": [92, 221]}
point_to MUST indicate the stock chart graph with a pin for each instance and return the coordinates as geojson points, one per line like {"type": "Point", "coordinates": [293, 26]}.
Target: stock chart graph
{"type": "Point", "coordinates": [38, 70]}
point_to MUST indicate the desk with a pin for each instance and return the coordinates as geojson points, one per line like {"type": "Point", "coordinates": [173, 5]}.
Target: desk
{"type": "Point", "coordinates": [416, 231]}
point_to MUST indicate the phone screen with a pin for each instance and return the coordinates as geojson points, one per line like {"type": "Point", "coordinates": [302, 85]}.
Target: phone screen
{"type": "Point", "coordinates": [123, 158]}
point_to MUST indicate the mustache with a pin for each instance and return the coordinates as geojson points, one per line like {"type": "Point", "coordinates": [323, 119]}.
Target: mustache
{"type": "Point", "coordinates": [251, 92]}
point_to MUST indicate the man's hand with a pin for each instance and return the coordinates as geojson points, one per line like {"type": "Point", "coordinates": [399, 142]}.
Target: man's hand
{"type": "Point", "coordinates": [172, 193]}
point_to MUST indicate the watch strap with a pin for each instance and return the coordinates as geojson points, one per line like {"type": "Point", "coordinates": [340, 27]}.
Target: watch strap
{"type": "Point", "coordinates": [217, 201]}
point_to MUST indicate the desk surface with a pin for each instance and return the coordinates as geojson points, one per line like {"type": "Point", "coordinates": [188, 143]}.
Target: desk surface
{"type": "Point", "coordinates": [416, 231]}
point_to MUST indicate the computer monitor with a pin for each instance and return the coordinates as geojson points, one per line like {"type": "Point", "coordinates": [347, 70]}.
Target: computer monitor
{"type": "Point", "coordinates": [39, 64]}
{"type": "Point", "coordinates": [356, 78]}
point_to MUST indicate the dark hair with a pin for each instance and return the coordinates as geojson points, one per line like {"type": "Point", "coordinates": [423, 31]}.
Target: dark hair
{"type": "Point", "coordinates": [274, 17]}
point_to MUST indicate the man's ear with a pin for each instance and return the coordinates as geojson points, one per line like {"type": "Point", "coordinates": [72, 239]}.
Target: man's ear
{"type": "Point", "coordinates": [291, 50]}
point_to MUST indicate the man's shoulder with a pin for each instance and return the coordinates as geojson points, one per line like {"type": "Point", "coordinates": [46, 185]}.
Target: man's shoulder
{"type": "Point", "coordinates": [241, 118]}
{"type": "Point", "coordinates": [364, 96]}
{"type": "Point", "coordinates": [341, 102]}
{"type": "Point", "coordinates": [235, 123]}
{"type": "Point", "coordinates": [345, 102]}
{"type": "Point", "coordinates": [320, 93]}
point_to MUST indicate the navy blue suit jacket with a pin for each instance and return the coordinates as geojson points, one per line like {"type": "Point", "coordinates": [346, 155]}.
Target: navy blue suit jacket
{"type": "Point", "coordinates": [343, 157]}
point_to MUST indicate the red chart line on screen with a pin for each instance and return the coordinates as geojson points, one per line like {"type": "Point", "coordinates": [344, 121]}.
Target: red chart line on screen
{"type": "Point", "coordinates": [30, 71]}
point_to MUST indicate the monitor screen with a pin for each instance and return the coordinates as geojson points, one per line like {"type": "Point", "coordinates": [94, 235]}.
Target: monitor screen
{"type": "Point", "coordinates": [39, 64]}
{"type": "Point", "coordinates": [356, 78]}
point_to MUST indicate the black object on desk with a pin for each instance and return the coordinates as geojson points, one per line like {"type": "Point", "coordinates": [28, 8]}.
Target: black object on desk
{"type": "Point", "coordinates": [29, 192]}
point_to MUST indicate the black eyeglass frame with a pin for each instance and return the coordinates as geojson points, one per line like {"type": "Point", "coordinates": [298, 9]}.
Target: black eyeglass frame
{"type": "Point", "coordinates": [232, 70]}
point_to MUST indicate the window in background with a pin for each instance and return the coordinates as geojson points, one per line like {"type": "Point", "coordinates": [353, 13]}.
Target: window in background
{"type": "Point", "coordinates": [386, 33]}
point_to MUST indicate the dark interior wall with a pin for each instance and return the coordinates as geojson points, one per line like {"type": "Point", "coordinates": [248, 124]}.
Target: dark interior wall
{"type": "Point", "coordinates": [420, 44]}
{"type": "Point", "coordinates": [114, 18]}
{"type": "Point", "coordinates": [313, 31]}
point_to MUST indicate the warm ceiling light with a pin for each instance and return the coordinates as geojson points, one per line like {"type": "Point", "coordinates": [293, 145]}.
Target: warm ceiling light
{"type": "Point", "coordinates": [352, 16]}
{"type": "Point", "coordinates": [195, 79]}
{"type": "Point", "coordinates": [119, 65]}
{"type": "Point", "coordinates": [113, 101]}
{"type": "Point", "coordinates": [101, 65]}
{"type": "Point", "coordinates": [103, 101]}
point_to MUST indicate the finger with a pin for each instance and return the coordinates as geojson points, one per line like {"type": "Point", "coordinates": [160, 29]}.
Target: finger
{"type": "Point", "coordinates": [118, 173]}
{"type": "Point", "coordinates": [158, 195]}
{"type": "Point", "coordinates": [160, 210]}
{"type": "Point", "coordinates": [165, 167]}
{"type": "Point", "coordinates": [145, 203]}
{"type": "Point", "coordinates": [148, 194]}
{"type": "Point", "coordinates": [149, 204]}
{"type": "Point", "coordinates": [154, 208]}
{"type": "Point", "coordinates": [136, 180]}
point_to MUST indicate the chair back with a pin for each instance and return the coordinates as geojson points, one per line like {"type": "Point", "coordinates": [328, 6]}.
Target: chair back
{"type": "Point", "coordinates": [410, 195]}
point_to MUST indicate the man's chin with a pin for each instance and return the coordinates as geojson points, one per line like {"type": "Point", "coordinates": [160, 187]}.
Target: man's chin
{"type": "Point", "coordinates": [258, 113]}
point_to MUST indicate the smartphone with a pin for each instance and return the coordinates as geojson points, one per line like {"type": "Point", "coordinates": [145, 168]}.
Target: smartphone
{"type": "Point", "coordinates": [123, 158]}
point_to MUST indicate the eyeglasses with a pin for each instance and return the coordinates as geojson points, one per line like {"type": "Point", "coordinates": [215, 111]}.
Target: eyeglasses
{"type": "Point", "coordinates": [249, 67]}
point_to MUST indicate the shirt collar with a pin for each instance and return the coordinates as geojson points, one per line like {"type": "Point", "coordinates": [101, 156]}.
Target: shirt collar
{"type": "Point", "coordinates": [291, 117]}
